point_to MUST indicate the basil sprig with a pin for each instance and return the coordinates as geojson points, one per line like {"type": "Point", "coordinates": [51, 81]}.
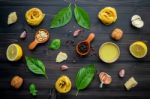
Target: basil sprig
{"type": "Point", "coordinates": [84, 77]}
{"type": "Point", "coordinates": [36, 66]}
{"type": "Point", "coordinates": [82, 17]}
{"type": "Point", "coordinates": [62, 17]}
{"type": "Point", "coordinates": [32, 89]}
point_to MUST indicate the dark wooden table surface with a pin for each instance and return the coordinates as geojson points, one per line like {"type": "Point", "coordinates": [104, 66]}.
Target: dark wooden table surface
{"type": "Point", "coordinates": [140, 69]}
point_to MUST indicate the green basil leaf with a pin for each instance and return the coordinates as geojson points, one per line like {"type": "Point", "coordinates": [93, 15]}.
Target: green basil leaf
{"type": "Point", "coordinates": [82, 17]}
{"type": "Point", "coordinates": [84, 77]}
{"type": "Point", "coordinates": [35, 65]}
{"type": "Point", "coordinates": [55, 44]}
{"type": "Point", "coordinates": [62, 17]}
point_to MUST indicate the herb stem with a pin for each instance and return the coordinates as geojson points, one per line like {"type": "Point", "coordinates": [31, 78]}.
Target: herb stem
{"type": "Point", "coordinates": [46, 76]}
{"type": "Point", "coordinates": [77, 93]}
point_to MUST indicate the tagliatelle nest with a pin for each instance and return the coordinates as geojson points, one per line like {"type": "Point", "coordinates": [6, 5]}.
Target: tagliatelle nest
{"type": "Point", "coordinates": [108, 15]}
{"type": "Point", "coordinates": [34, 16]}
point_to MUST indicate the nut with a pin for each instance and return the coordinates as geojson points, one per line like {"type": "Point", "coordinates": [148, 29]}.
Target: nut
{"type": "Point", "coordinates": [16, 82]}
{"type": "Point", "coordinates": [117, 34]}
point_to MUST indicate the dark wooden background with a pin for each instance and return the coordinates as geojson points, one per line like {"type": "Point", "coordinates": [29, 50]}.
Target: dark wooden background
{"type": "Point", "coordinates": [140, 69]}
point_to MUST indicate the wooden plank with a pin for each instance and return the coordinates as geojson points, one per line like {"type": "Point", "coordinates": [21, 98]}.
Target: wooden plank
{"type": "Point", "coordinates": [138, 68]}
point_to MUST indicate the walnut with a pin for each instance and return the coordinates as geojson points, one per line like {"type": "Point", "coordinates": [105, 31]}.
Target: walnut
{"type": "Point", "coordinates": [16, 82]}
{"type": "Point", "coordinates": [117, 34]}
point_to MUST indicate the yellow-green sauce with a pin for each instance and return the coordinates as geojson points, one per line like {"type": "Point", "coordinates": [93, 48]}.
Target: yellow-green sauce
{"type": "Point", "coordinates": [109, 52]}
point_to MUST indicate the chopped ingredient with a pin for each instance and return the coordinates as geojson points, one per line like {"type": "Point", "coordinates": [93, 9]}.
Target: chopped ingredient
{"type": "Point", "coordinates": [41, 36]}
{"type": "Point", "coordinates": [55, 44]}
{"type": "Point", "coordinates": [61, 57]}
{"type": "Point", "coordinates": [23, 35]}
{"type": "Point", "coordinates": [63, 84]}
{"type": "Point", "coordinates": [12, 18]}
{"type": "Point", "coordinates": [137, 21]}
{"type": "Point", "coordinates": [77, 32]}
{"type": "Point", "coordinates": [105, 79]}
{"type": "Point", "coordinates": [131, 83]}
{"type": "Point", "coordinates": [64, 67]}
{"type": "Point", "coordinates": [16, 82]}
{"type": "Point", "coordinates": [32, 89]}
{"type": "Point", "coordinates": [117, 34]}
{"type": "Point", "coordinates": [122, 73]}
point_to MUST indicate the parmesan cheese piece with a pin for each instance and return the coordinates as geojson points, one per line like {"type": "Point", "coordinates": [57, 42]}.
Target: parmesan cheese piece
{"type": "Point", "coordinates": [131, 83]}
{"type": "Point", "coordinates": [12, 18]}
{"type": "Point", "coordinates": [61, 57]}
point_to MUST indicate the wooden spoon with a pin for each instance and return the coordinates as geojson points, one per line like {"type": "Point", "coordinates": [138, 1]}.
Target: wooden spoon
{"type": "Point", "coordinates": [36, 41]}
{"type": "Point", "coordinates": [83, 48]}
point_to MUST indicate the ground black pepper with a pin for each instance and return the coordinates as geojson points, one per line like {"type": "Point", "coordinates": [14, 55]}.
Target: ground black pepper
{"type": "Point", "coordinates": [83, 47]}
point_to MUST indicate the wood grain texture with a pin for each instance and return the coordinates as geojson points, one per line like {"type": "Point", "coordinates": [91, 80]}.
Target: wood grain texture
{"type": "Point", "coordinates": [140, 69]}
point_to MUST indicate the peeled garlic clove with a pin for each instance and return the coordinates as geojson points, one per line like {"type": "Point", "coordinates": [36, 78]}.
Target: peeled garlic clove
{"type": "Point", "coordinates": [64, 67]}
{"type": "Point", "coordinates": [138, 23]}
{"type": "Point", "coordinates": [122, 73]}
{"type": "Point", "coordinates": [135, 17]}
{"type": "Point", "coordinates": [23, 35]}
{"type": "Point", "coordinates": [12, 18]}
{"type": "Point", "coordinates": [61, 57]}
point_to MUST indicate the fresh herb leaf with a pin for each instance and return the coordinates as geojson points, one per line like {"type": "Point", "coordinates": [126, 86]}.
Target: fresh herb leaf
{"type": "Point", "coordinates": [33, 89]}
{"type": "Point", "coordinates": [84, 77]}
{"type": "Point", "coordinates": [55, 44]}
{"type": "Point", "coordinates": [35, 65]}
{"type": "Point", "coordinates": [62, 17]}
{"type": "Point", "coordinates": [82, 17]}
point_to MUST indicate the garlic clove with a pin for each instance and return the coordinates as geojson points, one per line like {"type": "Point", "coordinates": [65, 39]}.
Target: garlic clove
{"type": "Point", "coordinates": [122, 73]}
{"type": "Point", "coordinates": [12, 18]}
{"type": "Point", "coordinates": [135, 17]}
{"type": "Point", "coordinates": [23, 35]}
{"type": "Point", "coordinates": [64, 67]}
{"type": "Point", "coordinates": [138, 23]}
{"type": "Point", "coordinates": [76, 32]}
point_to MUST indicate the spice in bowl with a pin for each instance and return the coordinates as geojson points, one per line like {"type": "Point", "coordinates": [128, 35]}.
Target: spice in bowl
{"type": "Point", "coordinates": [83, 47]}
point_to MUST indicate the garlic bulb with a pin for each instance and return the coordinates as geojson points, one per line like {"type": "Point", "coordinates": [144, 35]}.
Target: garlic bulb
{"type": "Point", "coordinates": [137, 21]}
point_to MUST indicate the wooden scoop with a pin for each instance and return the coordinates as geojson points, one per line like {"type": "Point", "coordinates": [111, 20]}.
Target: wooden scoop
{"type": "Point", "coordinates": [83, 48]}
{"type": "Point", "coordinates": [39, 38]}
